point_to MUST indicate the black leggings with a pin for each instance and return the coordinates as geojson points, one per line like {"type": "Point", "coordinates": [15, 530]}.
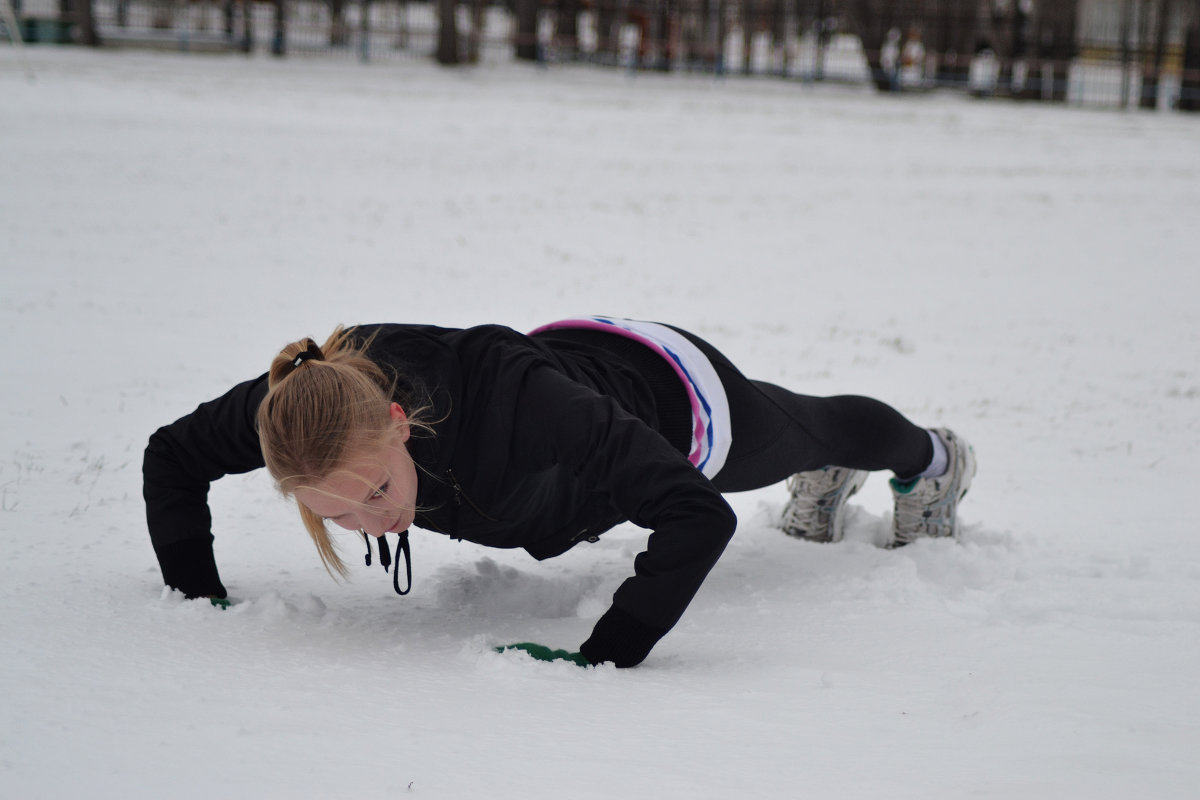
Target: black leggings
{"type": "Point", "coordinates": [777, 433]}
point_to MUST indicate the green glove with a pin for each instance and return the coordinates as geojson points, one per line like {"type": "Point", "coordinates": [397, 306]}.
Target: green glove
{"type": "Point", "coordinates": [543, 653]}
{"type": "Point", "coordinates": [220, 602]}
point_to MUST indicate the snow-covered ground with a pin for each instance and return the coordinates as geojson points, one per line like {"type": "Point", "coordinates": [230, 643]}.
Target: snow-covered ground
{"type": "Point", "coordinates": [1026, 275]}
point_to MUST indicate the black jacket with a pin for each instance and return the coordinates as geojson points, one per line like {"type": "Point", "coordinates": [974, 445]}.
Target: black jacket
{"type": "Point", "coordinates": [537, 444]}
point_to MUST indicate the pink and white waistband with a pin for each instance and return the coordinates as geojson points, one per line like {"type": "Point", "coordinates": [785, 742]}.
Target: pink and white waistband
{"type": "Point", "coordinates": [711, 435]}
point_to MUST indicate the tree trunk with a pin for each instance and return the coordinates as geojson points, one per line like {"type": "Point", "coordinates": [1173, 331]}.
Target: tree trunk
{"type": "Point", "coordinates": [447, 45]}
{"type": "Point", "coordinates": [1152, 68]}
{"type": "Point", "coordinates": [606, 30]}
{"type": "Point", "coordinates": [779, 36]}
{"type": "Point", "coordinates": [1062, 19]}
{"type": "Point", "coordinates": [364, 30]}
{"type": "Point", "coordinates": [817, 15]}
{"type": "Point", "coordinates": [1126, 49]}
{"type": "Point", "coordinates": [714, 35]}
{"type": "Point", "coordinates": [247, 44]}
{"type": "Point", "coordinates": [748, 19]}
{"type": "Point", "coordinates": [337, 22]}
{"type": "Point", "coordinates": [951, 31]}
{"type": "Point", "coordinates": [709, 38]}
{"type": "Point", "coordinates": [665, 35]}
{"type": "Point", "coordinates": [567, 28]}
{"type": "Point", "coordinates": [279, 37]}
{"type": "Point", "coordinates": [872, 21]}
{"type": "Point", "coordinates": [1039, 47]}
{"type": "Point", "coordinates": [402, 32]}
{"type": "Point", "coordinates": [527, 44]}
{"type": "Point", "coordinates": [86, 22]}
{"type": "Point", "coordinates": [475, 38]}
{"type": "Point", "coordinates": [1189, 95]}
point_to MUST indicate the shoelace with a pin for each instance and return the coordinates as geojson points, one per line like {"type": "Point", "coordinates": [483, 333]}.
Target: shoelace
{"type": "Point", "coordinates": [810, 496]}
{"type": "Point", "coordinates": [927, 510]}
{"type": "Point", "coordinates": [385, 558]}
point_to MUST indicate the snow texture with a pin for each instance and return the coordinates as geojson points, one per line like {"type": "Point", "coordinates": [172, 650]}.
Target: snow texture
{"type": "Point", "coordinates": [1026, 275]}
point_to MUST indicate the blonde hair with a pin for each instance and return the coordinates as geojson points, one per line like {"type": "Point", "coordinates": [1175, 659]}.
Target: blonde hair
{"type": "Point", "coordinates": [323, 405]}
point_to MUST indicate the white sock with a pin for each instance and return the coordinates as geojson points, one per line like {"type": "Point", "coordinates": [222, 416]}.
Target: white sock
{"type": "Point", "coordinates": [940, 460]}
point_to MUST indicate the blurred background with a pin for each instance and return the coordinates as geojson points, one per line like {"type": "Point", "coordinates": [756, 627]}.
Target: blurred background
{"type": "Point", "coordinates": [1097, 53]}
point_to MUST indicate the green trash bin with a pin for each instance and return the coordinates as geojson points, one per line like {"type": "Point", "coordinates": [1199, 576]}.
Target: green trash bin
{"type": "Point", "coordinates": [46, 31]}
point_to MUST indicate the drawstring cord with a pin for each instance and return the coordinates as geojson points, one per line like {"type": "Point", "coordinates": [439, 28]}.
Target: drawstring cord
{"type": "Point", "coordinates": [402, 546]}
{"type": "Point", "coordinates": [385, 558]}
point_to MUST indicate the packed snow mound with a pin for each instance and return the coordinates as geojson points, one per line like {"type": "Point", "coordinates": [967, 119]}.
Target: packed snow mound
{"type": "Point", "coordinates": [268, 606]}
{"type": "Point", "coordinates": [491, 589]}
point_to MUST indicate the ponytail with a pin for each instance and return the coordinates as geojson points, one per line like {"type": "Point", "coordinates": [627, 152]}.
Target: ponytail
{"type": "Point", "coordinates": [324, 403]}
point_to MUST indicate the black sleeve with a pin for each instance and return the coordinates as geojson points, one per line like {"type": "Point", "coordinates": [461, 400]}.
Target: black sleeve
{"type": "Point", "coordinates": [181, 460]}
{"type": "Point", "coordinates": [652, 484]}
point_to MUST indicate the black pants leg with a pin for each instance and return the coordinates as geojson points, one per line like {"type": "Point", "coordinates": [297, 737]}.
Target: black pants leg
{"type": "Point", "coordinates": [777, 432]}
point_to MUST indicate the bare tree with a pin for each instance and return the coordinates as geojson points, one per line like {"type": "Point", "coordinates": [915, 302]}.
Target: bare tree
{"type": "Point", "coordinates": [1057, 43]}
{"type": "Point", "coordinates": [664, 34]}
{"type": "Point", "coordinates": [1189, 95]}
{"type": "Point", "coordinates": [87, 24]}
{"type": "Point", "coordinates": [950, 33]}
{"type": "Point", "coordinates": [279, 34]}
{"type": "Point", "coordinates": [566, 34]}
{"type": "Point", "coordinates": [79, 12]}
{"type": "Point", "coordinates": [526, 37]}
{"type": "Point", "coordinates": [447, 43]}
{"type": "Point", "coordinates": [872, 20]}
{"type": "Point", "coordinates": [606, 30]}
{"type": "Point", "coordinates": [1050, 28]}
{"type": "Point", "coordinates": [1153, 63]}
{"type": "Point", "coordinates": [711, 44]}
{"type": "Point", "coordinates": [760, 16]}
{"type": "Point", "coordinates": [475, 37]}
{"type": "Point", "coordinates": [338, 33]}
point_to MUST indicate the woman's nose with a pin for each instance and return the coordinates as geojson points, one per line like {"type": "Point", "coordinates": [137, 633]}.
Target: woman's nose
{"type": "Point", "coordinates": [376, 526]}
{"type": "Point", "coordinates": [373, 524]}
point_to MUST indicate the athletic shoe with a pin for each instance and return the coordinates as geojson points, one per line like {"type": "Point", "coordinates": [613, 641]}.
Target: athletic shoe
{"type": "Point", "coordinates": [816, 508]}
{"type": "Point", "coordinates": [928, 507]}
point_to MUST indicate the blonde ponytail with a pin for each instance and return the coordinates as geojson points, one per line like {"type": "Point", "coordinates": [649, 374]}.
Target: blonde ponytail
{"type": "Point", "coordinates": [323, 404]}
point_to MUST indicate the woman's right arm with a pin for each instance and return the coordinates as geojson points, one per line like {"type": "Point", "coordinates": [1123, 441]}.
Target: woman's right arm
{"type": "Point", "coordinates": [181, 460]}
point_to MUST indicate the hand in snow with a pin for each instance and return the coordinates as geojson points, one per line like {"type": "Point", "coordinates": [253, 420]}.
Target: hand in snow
{"type": "Point", "coordinates": [543, 653]}
{"type": "Point", "coordinates": [220, 602]}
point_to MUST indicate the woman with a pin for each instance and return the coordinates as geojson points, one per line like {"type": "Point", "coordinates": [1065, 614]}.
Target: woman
{"type": "Point", "coordinates": [541, 441]}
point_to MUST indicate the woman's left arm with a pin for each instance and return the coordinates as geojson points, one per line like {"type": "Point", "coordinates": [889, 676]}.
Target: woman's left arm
{"type": "Point", "coordinates": [652, 484]}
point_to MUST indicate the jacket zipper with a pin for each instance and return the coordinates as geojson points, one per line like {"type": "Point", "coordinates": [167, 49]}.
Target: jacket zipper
{"type": "Point", "coordinates": [583, 536]}
{"type": "Point", "coordinates": [460, 496]}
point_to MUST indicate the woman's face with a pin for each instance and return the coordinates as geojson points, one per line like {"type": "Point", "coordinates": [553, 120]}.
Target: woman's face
{"type": "Point", "coordinates": [374, 492]}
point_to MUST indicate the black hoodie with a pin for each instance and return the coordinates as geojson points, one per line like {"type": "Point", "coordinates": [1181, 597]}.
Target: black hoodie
{"type": "Point", "coordinates": [538, 442]}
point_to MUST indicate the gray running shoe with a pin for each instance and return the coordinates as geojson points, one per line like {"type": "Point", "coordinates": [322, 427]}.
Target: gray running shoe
{"type": "Point", "coordinates": [816, 508]}
{"type": "Point", "coordinates": [928, 507]}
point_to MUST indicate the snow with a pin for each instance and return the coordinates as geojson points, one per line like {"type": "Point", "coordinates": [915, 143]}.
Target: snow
{"type": "Point", "coordinates": [1024, 274]}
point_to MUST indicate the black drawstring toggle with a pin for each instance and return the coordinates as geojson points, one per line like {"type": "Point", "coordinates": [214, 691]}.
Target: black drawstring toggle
{"type": "Point", "coordinates": [385, 555]}
{"type": "Point", "coordinates": [385, 558]}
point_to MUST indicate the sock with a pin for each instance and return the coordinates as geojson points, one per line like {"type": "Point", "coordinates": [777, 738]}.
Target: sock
{"type": "Point", "coordinates": [940, 460]}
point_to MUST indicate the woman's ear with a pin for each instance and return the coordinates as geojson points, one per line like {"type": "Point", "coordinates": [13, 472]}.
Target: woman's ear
{"type": "Point", "coordinates": [401, 420]}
